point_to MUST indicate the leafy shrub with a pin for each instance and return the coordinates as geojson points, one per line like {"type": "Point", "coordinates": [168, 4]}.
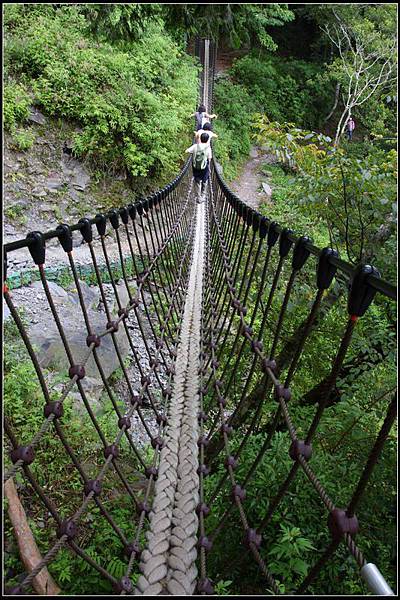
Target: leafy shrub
{"type": "Point", "coordinates": [234, 108]}
{"type": "Point", "coordinates": [281, 87]}
{"type": "Point", "coordinates": [284, 90]}
{"type": "Point", "coordinates": [287, 556]}
{"type": "Point", "coordinates": [297, 534]}
{"type": "Point", "coordinates": [16, 102]}
{"type": "Point", "coordinates": [350, 192]}
{"type": "Point", "coordinates": [132, 103]}
{"type": "Point", "coordinates": [23, 139]}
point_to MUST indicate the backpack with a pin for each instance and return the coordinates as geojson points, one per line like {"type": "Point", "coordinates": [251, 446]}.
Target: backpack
{"type": "Point", "coordinates": [199, 161]}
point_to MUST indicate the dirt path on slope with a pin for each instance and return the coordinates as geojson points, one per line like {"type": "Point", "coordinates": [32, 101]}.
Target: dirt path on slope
{"type": "Point", "coordinates": [248, 186]}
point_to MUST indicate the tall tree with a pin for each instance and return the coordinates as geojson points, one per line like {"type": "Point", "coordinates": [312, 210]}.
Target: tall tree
{"type": "Point", "coordinates": [364, 53]}
{"type": "Point", "coordinates": [366, 64]}
{"type": "Point", "coordinates": [239, 24]}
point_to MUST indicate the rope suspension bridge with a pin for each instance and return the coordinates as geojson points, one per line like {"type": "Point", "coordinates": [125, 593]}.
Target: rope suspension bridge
{"type": "Point", "coordinates": [208, 279]}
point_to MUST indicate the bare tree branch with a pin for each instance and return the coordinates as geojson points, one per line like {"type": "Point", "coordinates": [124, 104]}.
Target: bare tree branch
{"type": "Point", "coordinates": [367, 65]}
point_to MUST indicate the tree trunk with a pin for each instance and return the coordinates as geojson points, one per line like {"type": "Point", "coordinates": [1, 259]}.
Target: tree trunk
{"type": "Point", "coordinates": [43, 583]}
{"type": "Point", "coordinates": [341, 125]}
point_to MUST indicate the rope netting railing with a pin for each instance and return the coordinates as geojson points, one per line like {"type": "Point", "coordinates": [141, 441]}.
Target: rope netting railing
{"type": "Point", "coordinates": [253, 266]}
{"type": "Point", "coordinates": [159, 232]}
{"type": "Point", "coordinates": [210, 291]}
{"type": "Point", "coordinates": [235, 336]}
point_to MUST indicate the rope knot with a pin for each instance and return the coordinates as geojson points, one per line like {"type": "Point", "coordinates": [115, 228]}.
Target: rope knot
{"type": "Point", "coordinates": [205, 543]}
{"type": "Point", "coordinates": [151, 471]}
{"type": "Point", "coordinates": [299, 448]}
{"type": "Point", "coordinates": [93, 485]}
{"type": "Point", "coordinates": [134, 302]}
{"type": "Point", "coordinates": [111, 450]}
{"type": "Point", "coordinates": [93, 339]}
{"type": "Point", "coordinates": [124, 422]}
{"type": "Point", "coordinates": [67, 528]}
{"type": "Point", "coordinates": [203, 441]}
{"type": "Point", "coordinates": [143, 507]}
{"type": "Point", "coordinates": [113, 326]}
{"type": "Point", "coordinates": [282, 392]}
{"type": "Point", "coordinates": [204, 470]}
{"type": "Point", "coordinates": [157, 443]}
{"type": "Point", "coordinates": [161, 419]}
{"type": "Point", "coordinates": [204, 586]}
{"type": "Point", "coordinates": [77, 370]}
{"type": "Point", "coordinates": [257, 345]}
{"type": "Point", "coordinates": [133, 548]}
{"type": "Point", "coordinates": [167, 391]}
{"type": "Point", "coordinates": [123, 585]}
{"type": "Point", "coordinates": [230, 461]}
{"type": "Point", "coordinates": [202, 509]}
{"type": "Point", "coordinates": [339, 524]}
{"type": "Point", "coordinates": [268, 364]}
{"type": "Point", "coordinates": [145, 380]}
{"type": "Point", "coordinates": [202, 416]}
{"type": "Point", "coordinates": [54, 408]}
{"type": "Point", "coordinates": [170, 370]}
{"type": "Point", "coordinates": [24, 453]}
{"type": "Point", "coordinates": [238, 492]}
{"type": "Point", "coordinates": [252, 537]}
{"type": "Point", "coordinates": [136, 399]}
{"type": "Point", "coordinates": [225, 428]}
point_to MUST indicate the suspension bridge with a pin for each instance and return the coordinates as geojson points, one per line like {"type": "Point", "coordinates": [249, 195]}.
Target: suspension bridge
{"type": "Point", "coordinates": [207, 279]}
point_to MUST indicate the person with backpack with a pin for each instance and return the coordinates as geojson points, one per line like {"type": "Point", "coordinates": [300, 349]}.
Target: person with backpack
{"type": "Point", "coordinates": [201, 116]}
{"type": "Point", "coordinates": [350, 127]}
{"type": "Point", "coordinates": [207, 128]}
{"type": "Point", "coordinates": [201, 152]}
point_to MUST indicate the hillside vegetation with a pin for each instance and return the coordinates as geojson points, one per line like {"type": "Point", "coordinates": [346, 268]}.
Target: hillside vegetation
{"type": "Point", "coordinates": [131, 100]}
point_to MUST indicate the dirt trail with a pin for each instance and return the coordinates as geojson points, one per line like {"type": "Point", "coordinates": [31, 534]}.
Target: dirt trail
{"type": "Point", "coordinates": [248, 186]}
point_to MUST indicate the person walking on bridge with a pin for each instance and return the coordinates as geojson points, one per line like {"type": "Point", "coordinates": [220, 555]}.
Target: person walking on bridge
{"type": "Point", "coordinates": [206, 129]}
{"type": "Point", "coordinates": [201, 117]}
{"type": "Point", "coordinates": [201, 152]}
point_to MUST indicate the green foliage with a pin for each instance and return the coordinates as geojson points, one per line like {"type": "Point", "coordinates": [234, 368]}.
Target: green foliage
{"type": "Point", "coordinates": [237, 24]}
{"type": "Point", "coordinates": [284, 90]}
{"type": "Point", "coordinates": [349, 427]}
{"type": "Point", "coordinates": [23, 139]}
{"type": "Point", "coordinates": [222, 588]}
{"type": "Point", "coordinates": [363, 62]}
{"type": "Point", "coordinates": [354, 195]}
{"type": "Point", "coordinates": [132, 103]}
{"type": "Point", "coordinates": [16, 102]}
{"type": "Point", "coordinates": [234, 108]}
{"type": "Point", "coordinates": [121, 22]}
{"type": "Point", "coordinates": [287, 557]}
{"type": "Point", "coordinates": [297, 534]}
{"type": "Point", "coordinates": [16, 213]}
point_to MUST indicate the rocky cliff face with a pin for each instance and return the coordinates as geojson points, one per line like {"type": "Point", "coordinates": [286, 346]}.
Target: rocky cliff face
{"type": "Point", "coordinates": [44, 185]}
